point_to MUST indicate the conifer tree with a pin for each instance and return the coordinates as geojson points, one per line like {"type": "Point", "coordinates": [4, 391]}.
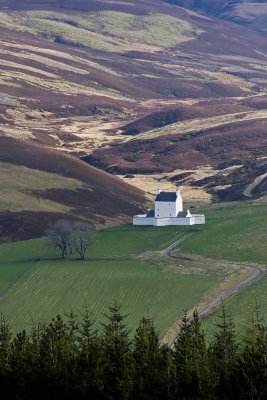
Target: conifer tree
{"type": "Point", "coordinates": [5, 353]}
{"type": "Point", "coordinates": [166, 374]}
{"type": "Point", "coordinates": [224, 355]}
{"type": "Point", "coordinates": [117, 356]}
{"type": "Point", "coordinates": [191, 359]}
{"type": "Point", "coordinates": [56, 356]}
{"type": "Point", "coordinates": [20, 362]}
{"type": "Point", "coordinates": [146, 361]}
{"type": "Point", "coordinates": [90, 359]}
{"type": "Point", "coordinates": [5, 345]}
{"type": "Point", "coordinates": [251, 376]}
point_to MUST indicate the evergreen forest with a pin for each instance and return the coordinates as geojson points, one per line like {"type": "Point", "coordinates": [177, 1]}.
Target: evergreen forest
{"type": "Point", "coordinates": [69, 359]}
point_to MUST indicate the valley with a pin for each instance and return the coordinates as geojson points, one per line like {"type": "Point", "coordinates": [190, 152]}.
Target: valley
{"type": "Point", "coordinates": [143, 90]}
{"type": "Point", "coordinates": [102, 103]}
{"type": "Point", "coordinates": [126, 263]}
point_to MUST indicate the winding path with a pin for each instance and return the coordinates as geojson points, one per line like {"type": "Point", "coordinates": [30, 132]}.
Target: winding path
{"type": "Point", "coordinates": [255, 273]}
{"type": "Point", "coordinates": [248, 191]}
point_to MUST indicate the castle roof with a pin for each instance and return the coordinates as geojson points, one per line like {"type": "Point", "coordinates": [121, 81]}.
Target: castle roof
{"type": "Point", "coordinates": [167, 196]}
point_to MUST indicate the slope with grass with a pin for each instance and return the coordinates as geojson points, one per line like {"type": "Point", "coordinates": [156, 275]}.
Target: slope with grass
{"type": "Point", "coordinates": [40, 185]}
{"type": "Point", "coordinates": [126, 263]}
{"type": "Point", "coordinates": [41, 285]}
{"type": "Point", "coordinates": [242, 307]}
{"type": "Point", "coordinates": [235, 232]}
{"type": "Point", "coordinates": [232, 232]}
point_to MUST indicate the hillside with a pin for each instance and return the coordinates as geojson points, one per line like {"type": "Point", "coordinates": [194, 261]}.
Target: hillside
{"type": "Point", "coordinates": [251, 13]}
{"type": "Point", "coordinates": [40, 185]}
{"type": "Point", "coordinates": [146, 90]}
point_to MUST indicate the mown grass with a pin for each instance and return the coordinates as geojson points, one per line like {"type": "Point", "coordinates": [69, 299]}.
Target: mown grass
{"type": "Point", "coordinates": [37, 284]}
{"type": "Point", "coordinates": [42, 285]}
{"type": "Point", "coordinates": [21, 189]}
{"type": "Point", "coordinates": [143, 290]}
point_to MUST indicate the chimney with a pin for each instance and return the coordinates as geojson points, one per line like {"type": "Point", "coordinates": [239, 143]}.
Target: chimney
{"type": "Point", "coordinates": [188, 214]}
{"type": "Point", "coordinates": [178, 194]}
{"type": "Point", "coordinates": [158, 191]}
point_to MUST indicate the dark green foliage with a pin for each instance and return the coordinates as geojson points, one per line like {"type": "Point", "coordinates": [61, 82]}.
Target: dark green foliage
{"type": "Point", "coordinates": [117, 356]}
{"type": "Point", "coordinates": [191, 359]}
{"type": "Point", "coordinates": [68, 360]}
{"type": "Point", "coordinates": [223, 353]}
{"type": "Point", "coordinates": [252, 365]}
{"type": "Point", "coordinates": [146, 358]}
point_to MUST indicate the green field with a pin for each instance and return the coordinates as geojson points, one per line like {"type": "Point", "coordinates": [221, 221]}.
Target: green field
{"type": "Point", "coordinates": [241, 307]}
{"type": "Point", "coordinates": [235, 231]}
{"type": "Point", "coordinates": [35, 284]}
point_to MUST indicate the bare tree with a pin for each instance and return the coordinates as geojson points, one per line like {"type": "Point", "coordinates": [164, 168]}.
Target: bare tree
{"type": "Point", "coordinates": [59, 235]}
{"type": "Point", "coordinates": [81, 238]}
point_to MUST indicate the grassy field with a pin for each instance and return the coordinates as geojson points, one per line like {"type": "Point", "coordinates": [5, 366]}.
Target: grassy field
{"type": "Point", "coordinates": [234, 231]}
{"type": "Point", "coordinates": [242, 306]}
{"type": "Point", "coordinates": [36, 285]}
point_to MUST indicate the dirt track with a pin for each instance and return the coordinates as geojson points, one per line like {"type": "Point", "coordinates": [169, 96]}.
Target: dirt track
{"type": "Point", "coordinates": [249, 189]}
{"type": "Point", "coordinates": [255, 273]}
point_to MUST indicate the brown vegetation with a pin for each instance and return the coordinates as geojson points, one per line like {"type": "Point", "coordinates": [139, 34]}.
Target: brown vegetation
{"type": "Point", "coordinates": [102, 100]}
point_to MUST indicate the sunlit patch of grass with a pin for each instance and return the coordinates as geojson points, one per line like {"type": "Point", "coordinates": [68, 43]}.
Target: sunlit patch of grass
{"type": "Point", "coordinates": [200, 124]}
{"type": "Point", "coordinates": [234, 232]}
{"type": "Point", "coordinates": [20, 185]}
{"type": "Point", "coordinates": [106, 30]}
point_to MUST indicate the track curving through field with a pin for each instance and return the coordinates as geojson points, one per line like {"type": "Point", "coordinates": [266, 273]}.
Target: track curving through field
{"type": "Point", "coordinates": [255, 273]}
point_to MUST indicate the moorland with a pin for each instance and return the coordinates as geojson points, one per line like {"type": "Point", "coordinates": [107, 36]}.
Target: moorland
{"type": "Point", "coordinates": [153, 93]}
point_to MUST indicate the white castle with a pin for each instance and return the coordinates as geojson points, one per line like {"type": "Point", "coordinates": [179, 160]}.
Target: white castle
{"type": "Point", "coordinates": [168, 211]}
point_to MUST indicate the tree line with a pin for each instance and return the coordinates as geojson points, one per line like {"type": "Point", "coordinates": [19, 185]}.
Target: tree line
{"type": "Point", "coordinates": [69, 359]}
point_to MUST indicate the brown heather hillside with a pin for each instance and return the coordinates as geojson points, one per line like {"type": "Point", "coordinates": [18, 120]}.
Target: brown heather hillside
{"type": "Point", "coordinates": [251, 13]}
{"type": "Point", "coordinates": [85, 193]}
{"type": "Point", "coordinates": [132, 87]}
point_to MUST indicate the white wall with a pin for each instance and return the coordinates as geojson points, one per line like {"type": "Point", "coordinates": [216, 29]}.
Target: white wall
{"type": "Point", "coordinates": [194, 219]}
{"type": "Point", "coordinates": [198, 219]}
{"type": "Point", "coordinates": [164, 209]}
{"type": "Point", "coordinates": [179, 202]}
{"type": "Point", "coordinates": [172, 221]}
{"type": "Point", "coordinates": [138, 220]}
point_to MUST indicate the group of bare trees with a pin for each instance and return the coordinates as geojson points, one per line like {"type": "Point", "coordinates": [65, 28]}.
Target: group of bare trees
{"type": "Point", "coordinates": [69, 237]}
